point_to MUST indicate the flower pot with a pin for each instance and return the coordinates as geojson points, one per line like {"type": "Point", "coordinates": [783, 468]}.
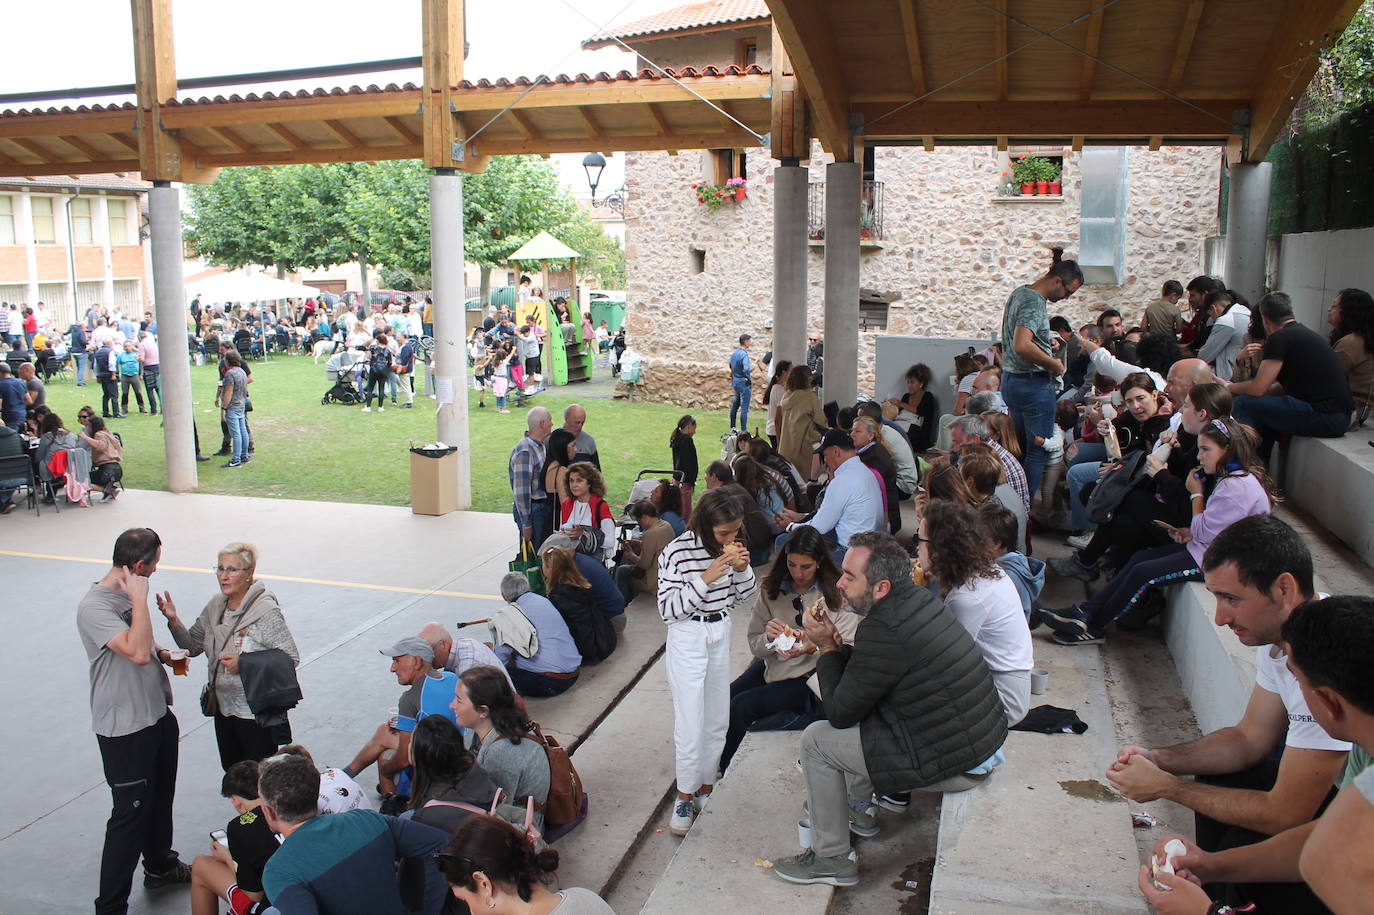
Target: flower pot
{"type": "Point", "coordinates": [1027, 188]}
{"type": "Point", "coordinates": [740, 193]}
{"type": "Point", "coordinates": [1056, 187]}
{"type": "Point", "coordinates": [1042, 187]}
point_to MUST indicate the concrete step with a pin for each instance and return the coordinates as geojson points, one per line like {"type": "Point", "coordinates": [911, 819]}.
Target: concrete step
{"type": "Point", "coordinates": [752, 815]}
{"type": "Point", "coordinates": [1332, 479]}
{"type": "Point", "coordinates": [1045, 833]}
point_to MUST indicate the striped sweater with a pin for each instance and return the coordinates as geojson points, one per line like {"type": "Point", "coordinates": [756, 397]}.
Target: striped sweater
{"type": "Point", "coordinates": [682, 593]}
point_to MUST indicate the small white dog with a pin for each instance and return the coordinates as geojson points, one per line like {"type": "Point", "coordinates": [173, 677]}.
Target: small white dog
{"type": "Point", "coordinates": [324, 348]}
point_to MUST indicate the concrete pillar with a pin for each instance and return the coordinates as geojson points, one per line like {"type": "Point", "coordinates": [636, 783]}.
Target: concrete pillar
{"type": "Point", "coordinates": [842, 182]}
{"type": "Point", "coordinates": [1247, 228]}
{"type": "Point", "coordinates": [791, 187]}
{"type": "Point", "coordinates": [169, 303]}
{"type": "Point", "coordinates": [446, 268]}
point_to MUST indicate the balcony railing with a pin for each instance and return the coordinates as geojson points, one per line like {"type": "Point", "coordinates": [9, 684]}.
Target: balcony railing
{"type": "Point", "coordinates": [870, 212]}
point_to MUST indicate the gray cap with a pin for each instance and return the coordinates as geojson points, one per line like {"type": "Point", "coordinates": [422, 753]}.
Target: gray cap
{"type": "Point", "coordinates": [413, 645]}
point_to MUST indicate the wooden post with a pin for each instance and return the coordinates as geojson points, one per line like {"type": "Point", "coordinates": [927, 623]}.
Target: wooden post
{"type": "Point", "coordinates": [159, 151]}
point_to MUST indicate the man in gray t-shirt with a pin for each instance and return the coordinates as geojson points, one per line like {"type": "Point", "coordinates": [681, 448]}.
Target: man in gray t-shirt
{"type": "Point", "coordinates": [136, 731]}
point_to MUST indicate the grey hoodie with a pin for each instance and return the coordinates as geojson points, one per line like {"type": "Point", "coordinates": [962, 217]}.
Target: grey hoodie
{"type": "Point", "coordinates": [1027, 574]}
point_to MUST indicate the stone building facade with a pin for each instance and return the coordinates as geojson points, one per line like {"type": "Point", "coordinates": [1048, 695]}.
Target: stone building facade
{"type": "Point", "coordinates": [951, 249]}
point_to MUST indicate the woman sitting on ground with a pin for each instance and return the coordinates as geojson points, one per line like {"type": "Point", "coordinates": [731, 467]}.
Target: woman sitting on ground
{"type": "Point", "coordinates": [585, 515]}
{"type": "Point", "coordinates": [106, 453]}
{"type": "Point", "coordinates": [491, 867]}
{"type": "Point", "coordinates": [917, 409]}
{"type": "Point", "coordinates": [762, 485]}
{"type": "Point", "coordinates": [1352, 335]}
{"type": "Point", "coordinates": [781, 470]}
{"type": "Point", "coordinates": [1004, 432]}
{"type": "Point", "coordinates": [944, 482]}
{"type": "Point", "coordinates": [774, 685]}
{"type": "Point", "coordinates": [956, 550]}
{"type": "Point", "coordinates": [1229, 484]}
{"type": "Point", "coordinates": [446, 776]}
{"type": "Point", "coordinates": [986, 480]}
{"type": "Point", "coordinates": [571, 594]}
{"type": "Point", "coordinates": [506, 750]}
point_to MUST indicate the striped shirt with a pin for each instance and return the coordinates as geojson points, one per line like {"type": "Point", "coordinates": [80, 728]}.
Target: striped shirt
{"type": "Point", "coordinates": [683, 593]}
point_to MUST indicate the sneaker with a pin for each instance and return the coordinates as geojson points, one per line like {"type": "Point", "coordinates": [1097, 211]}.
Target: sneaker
{"type": "Point", "coordinates": [684, 812]}
{"type": "Point", "coordinates": [809, 867]}
{"type": "Point", "coordinates": [246, 458]}
{"type": "Point", "coordinates": [863, 818]}
{"type": "Point", "coordinates": [177, 874]}
{"type": "Point", "coordinates": [1069, 616]}
{"type": "Point", "coordinates": [1070, 567]}
{"type": "Point", "coordinates": [367, 409]}
{"type": "Point", "coordinates": [1082, 638]}
{"type": "Point", "coordinates": [699, 801]}
{"type": "Point", "coordinates": [897, 802]}
{"type": "Point", "coordinates": [202, 458]}
{"type": "Point", "coordinates": [1080, 541]}
{"type": "Point", "coordinates": [407, 406]}
{"type": "Point", "coordinates": [381, 409]}
{"type": "Point", "coordinates": [233, 464]}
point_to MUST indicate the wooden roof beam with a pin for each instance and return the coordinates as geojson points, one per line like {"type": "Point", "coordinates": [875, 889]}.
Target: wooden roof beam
{"type": "Point", "coordinates": [1000, 27]}
{"type": "Point", "coordinates": [912, 36]}
{"type": "Point", "coordinates": [1091, 48]}
{"type": "Point", "coordinates": [703, 139]}
{"type": "Point", "coordinates": [1165, 117]}
{"type": "Point", "coordinates": [81, 146]}
{"type": "Point", "coordinates": [310, 156]}
{"type": "Point", "coordinates": [55, 125]}
{"type": "Point", "coordinates": [123, 139]}
{"type": "Point", "coordinates": [8, 163]}
{"type": "Point", "coordinates": [1183, 46]}
{"type": "Point", "coordinates": [807, 34]}
{"type": "Point", "coordinates": [399, 128]}
{"type": "Point", "coordinates": [230, 138]}
{"type": "Point", "coordinates": [656, 117]}
{"type": "Point", "coordinates": [103, 166]}
{"type": "Point", "coordinates": [1290, 61]}
{"type": "Point", "coordinates": [522, 124]}
{"type": "Point", "coordinates": [344, 135]}
{"type": "Point", "coordinates": [155, 78]}
{"type": "Point", "coordinates": [293, 142]}
{"type": "Point", "coordinates": [584, 117]}
{"type": "Point", "coordinates": [44, 155]}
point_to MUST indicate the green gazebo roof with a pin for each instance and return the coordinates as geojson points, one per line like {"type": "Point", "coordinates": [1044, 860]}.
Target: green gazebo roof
{"type": "Point", "coordinates": [543, 247]}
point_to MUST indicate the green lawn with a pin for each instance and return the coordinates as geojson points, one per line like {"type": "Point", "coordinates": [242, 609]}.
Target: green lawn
{"type": "Point", "coordinates": [306, 450]}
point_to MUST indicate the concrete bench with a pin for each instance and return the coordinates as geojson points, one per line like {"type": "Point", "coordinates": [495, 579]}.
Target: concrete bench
{"type": "Point", "coordinates": [1217, 671]}
{"type": "Point", "coordinates": [1045, 833]}
{"type": "Point", "coordinates": [1332, 479]}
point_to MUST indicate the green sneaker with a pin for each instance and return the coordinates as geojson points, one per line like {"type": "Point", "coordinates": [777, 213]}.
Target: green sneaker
{"type": "Point", "coordinates": [809, 867]}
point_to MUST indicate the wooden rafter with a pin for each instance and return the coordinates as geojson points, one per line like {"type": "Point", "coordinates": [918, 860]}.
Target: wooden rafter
{"type": "Point", "coordinates": [806, 31]}
{"type": "Point", "coordinates": [1155, 142]}
{"type": "Point", "coordinates": [1203, 119]}
{"type": "Point", "coordinates": [1001, 26]}
{"type": "Point", "coordinates": [1091, 46]}
{"type": "Point", "coordinates": [912, 36]}
{"type": "Point", "coordinates": [102, 166]}
{"type": "Point", "coordinates": [584, 117]}
{"type": "Point", "coordinates": [81, 146]}
{"type": "Point", "coordinates": [656, 117]}
{"type": "Point", "coordinates": [310, 156]}
{"type": "Point", "coordinates": [696, 139]}
{"type": "Point", "coordinates": [7, 162]}
{"type": "Point", "coordinates": [292, 141]}
{"type": "Point", "coordinates": [344, 135]}
{"type": "Point", "coordinates": [522, 124]}
{"type": "Point", "coordinates": [230, 138]}
{"type": "Point", "coordinates": [44, 154]}
{"type": "Point", "coordinates": [123, 139]}
{"type": "Point", "coordinates": [399, 128]}
{"type": "Point", "coordinates": [1187, 34]}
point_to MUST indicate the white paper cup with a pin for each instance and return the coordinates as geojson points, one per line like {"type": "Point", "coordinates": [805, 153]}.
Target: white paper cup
{"type": "Point", "coordinates": [1039, 677]}
{"type": "Point", "coordinates": [804, 833]}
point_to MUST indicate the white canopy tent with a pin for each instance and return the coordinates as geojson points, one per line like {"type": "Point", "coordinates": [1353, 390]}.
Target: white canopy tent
{"type": "Point", "coordinates": [243, 286]}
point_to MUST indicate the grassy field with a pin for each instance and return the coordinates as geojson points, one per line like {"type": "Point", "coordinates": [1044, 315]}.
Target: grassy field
{"type": "Point", "coordinates": [306, 450]}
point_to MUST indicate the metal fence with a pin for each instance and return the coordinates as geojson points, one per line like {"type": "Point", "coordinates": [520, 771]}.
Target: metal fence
{"type": "Point", "coordinates": [870, 211]}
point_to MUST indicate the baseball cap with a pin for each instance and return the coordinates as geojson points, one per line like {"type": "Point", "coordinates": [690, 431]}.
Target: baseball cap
{"type": "Point", "coordinates": [834, 438]}
{"type": "Point", "coordinates": [413, 645]}
{"type": "Point", "coordinates": [562, 541]}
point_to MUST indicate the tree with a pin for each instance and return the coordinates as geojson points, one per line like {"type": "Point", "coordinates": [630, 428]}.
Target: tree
{"type": "Point", "coordinates": [1345, 77]}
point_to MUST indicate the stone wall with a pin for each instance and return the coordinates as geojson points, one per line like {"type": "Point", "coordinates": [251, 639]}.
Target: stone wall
{"type": "Point", "coordinates": [952, 250]}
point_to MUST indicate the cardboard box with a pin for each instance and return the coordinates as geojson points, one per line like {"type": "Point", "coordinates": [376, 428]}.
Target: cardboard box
{"type": "Point", "coordinates": [433, 484]}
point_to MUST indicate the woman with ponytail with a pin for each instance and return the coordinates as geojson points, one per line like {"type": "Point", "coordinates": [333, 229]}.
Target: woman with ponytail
{"type": "Point", "coordinates": [1028, 361]}
{"type": "Point", "coordinates": [493, 868]}
{"type": "Point", "coordinates": [1229, 484]}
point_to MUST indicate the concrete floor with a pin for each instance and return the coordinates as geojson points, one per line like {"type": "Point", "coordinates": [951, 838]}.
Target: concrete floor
{"type": "Point", "coordinates": [351, 579]}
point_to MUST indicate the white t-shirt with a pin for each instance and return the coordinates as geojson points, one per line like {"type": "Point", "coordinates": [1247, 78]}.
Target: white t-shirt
{"type": "Point", "coordinates": [966, 383]}
{"type": "Point", "coordinates": [990, 609]}
{"type": "Point", "coordinates": [1304, 733]}
{"type": "Point", "coordinates": [340, 794]}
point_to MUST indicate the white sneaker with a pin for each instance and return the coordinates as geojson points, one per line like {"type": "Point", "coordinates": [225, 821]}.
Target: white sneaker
{"type": "Point", "coordinates": [367, 409]}
{"type": "Point", "coordinates": [1080, 541]}
{"type": "Point", "coordinates": [381, 409]}
{"type": "Point", "coordinates": [699, 801]}
{"type": "Point", "coordinates": [684, 812]}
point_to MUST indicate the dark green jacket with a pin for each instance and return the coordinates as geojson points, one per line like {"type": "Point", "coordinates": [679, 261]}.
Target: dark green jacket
{"type": "Point", "coordinates": [916, 685]}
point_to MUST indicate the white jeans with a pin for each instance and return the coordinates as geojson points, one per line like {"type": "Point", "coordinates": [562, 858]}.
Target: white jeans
{"type": "Point", "coordinates": [698, 658]}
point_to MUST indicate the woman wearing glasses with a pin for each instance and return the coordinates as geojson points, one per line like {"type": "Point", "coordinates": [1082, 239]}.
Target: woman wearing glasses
{"type": "Point", "coordinates": [774, 685]}
{"type": "Point", "coordinates": [243, 617]}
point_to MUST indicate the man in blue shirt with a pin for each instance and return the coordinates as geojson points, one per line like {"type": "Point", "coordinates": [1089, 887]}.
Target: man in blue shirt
{"type": "Point", "coordinates": [741, 382]}
{"type": "Point", "coordinates": [12, 392]}
{"type": "Point", "coordinates": [553, 669]}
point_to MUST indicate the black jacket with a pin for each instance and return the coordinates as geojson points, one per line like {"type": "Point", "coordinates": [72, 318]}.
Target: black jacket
{"type": "Point", "coordinates": [917, 686]}
{"type": "Point", "coordinates": [876, 457]}
{"type": "Point", "coordinates": [590, 627]}
{"type": "Point", "coordinates": [269, 684]}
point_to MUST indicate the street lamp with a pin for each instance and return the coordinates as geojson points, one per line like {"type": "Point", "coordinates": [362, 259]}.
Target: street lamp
{"type": "Point", "coordinates": [594, 164]}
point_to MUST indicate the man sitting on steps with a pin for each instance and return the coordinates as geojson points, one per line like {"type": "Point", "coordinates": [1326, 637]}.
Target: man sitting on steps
{"type": "Point", "coordinates": [1274, 770]}
{"type": "Point", "coordinates": [909, 706]}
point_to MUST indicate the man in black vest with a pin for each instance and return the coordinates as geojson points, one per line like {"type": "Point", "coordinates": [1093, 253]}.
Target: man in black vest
{"type": "Point", "coordinates": [883, 700]}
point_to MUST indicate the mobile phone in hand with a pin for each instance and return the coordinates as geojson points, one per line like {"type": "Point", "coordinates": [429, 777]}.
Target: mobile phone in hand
{"type": "Point", "coordinates": [219, 836]}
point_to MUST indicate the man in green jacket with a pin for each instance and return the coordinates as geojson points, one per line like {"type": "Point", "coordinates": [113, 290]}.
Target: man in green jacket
{"type": "Point", "coordinates": [909, 706]}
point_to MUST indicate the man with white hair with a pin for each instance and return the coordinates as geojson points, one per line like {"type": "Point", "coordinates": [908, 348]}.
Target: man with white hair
{"type": "Point", "coordinates": [553, 669]}
{"type": "Point", "coordinates": [532, 507]}
{"type": "Point", "coordinates": [457, 655]}
{"type": "Point", "coordinates": [971, 429]}
{"type": "Point", "coordinates": [574, 418]}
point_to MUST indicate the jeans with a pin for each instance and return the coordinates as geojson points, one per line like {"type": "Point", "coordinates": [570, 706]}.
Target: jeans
{"type": "Point", "coordinates": [1158, 566]}
{"type": "Point", "coordinates": [739, 403]}
{"type": "Point", "coordinates": [109, 396]}
{"type": "Point", "coordinates": [141, 770]}
{"type": "Point", "coordinates": [539, 686]}
{"type": "Point", "coordinates": [1088, 452]}
{"type": "Point", "coordinates": [238, 433]}
{"type": "Point", "coordinates": [541, 519]}
{"type": "Point", "coordinates": [1080, 475]}
{"type": "Point", "coordinates": [625, 581]}
{"type": "Point", "coordinates": [1030, 398]}
{"type": "Point", "coordinates": [152, 382]}
{"type": "Point", "coordinates": [751, 700]}
{"type": "Point", "coordinates": [1273, 417]}
{"type": "Point", "coordinates": [129, 383]}
{"type": "Point", "coordinates": [375, 383]}
{"type": "Point", "coordinates": [81, 358]}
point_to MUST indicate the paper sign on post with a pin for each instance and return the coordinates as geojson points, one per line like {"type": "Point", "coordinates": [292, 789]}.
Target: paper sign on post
{"type": "Point", "coordinates": [444, 388]}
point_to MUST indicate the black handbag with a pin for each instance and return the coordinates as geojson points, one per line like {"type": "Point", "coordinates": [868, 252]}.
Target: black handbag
{"type": "Point", "coordinates": [209, 701]}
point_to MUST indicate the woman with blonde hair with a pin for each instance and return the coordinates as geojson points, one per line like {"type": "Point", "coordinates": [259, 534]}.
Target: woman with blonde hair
{"type": "Point", "coordinates": [1003, 431]}
{"type": "Point", "coordinates": [243, 618]}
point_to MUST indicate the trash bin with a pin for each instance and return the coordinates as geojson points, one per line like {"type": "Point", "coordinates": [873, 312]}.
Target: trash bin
{"type": "Point", "coordinates": [433, 480]}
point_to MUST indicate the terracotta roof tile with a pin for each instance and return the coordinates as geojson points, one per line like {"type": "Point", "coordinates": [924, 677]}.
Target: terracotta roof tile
{"type": "Point", "coordinates": [690, 16]}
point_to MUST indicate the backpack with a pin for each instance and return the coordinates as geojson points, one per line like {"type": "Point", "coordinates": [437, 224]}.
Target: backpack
{"type": "Point", "coordinates": [566, 806]}
{"type": "Point", "coordinates": [379, 363]}
{"type": "Point", "coordinates": [1111, 490]}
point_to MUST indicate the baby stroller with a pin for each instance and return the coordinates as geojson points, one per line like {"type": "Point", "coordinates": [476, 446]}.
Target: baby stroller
{"type": "Point", "coordinates": [344, 391]}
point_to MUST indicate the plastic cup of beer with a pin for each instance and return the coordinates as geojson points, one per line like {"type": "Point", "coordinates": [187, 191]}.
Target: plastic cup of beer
{"type": "Point", "coordinates": [393, 715]}
{"type": "Point", "coordinates": [181, 661]}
